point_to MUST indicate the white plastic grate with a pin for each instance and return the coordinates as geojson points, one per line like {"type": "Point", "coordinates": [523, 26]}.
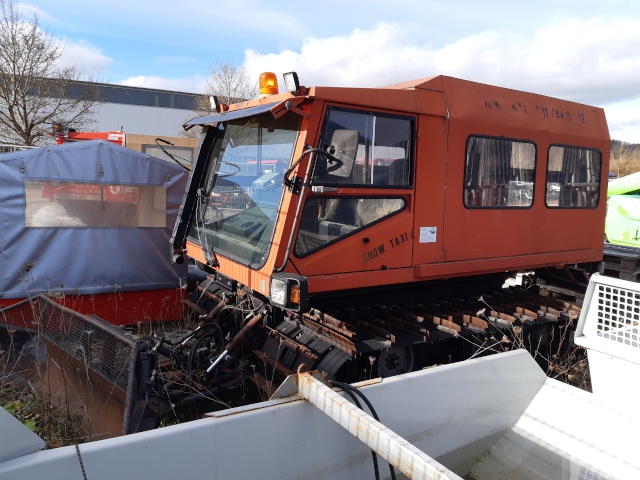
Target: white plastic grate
{"type": "Point", "coordinates": [588, 474]}
{"type": "Point", "coordinates": [609, 328]}
{"type": "Point", "coordinates": [618, 315]}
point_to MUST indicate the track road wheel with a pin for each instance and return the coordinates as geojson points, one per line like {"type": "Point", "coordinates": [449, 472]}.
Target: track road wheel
{"type": "Point", "coordinates": [395, 361]}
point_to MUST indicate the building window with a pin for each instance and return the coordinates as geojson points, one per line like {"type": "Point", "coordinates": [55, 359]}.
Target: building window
{"type": "Point", "coordinates": [79, 204]}
{"type": "Point", "coordinates": [573, 177]}
{"type": "Point", "coordinates": [327, 219]}
{"type": "Point", "coordinates": [382, 155]}
{"type": "Point", "coordinates": [499, 173]}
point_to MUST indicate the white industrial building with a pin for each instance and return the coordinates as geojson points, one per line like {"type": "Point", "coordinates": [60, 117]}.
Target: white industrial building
{"type": "Point", "coordinates": [144, 111]}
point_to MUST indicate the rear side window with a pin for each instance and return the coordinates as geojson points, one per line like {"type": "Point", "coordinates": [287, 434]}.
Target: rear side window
{"type": "Point", "coordinates": [573, 177]}
{"type": "Point", "coordinates": [499, 173]}
{"type": "Point", "coordinates": [382, 146]}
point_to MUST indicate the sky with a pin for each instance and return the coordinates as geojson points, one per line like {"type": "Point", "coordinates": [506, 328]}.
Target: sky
{"type": "Point", "coordinates": [580, 50]}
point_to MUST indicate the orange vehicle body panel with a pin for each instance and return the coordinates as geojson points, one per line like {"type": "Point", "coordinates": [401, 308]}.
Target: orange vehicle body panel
{"type": "Point", "coordinates": [538, 229]}
{"type": "Point", "coordinates": [430, 199]}
{"type": "Point", "coordinates": [467, 241]}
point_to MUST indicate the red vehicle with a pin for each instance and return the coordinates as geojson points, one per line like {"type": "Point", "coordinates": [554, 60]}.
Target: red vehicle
{"type": "Point", "coordinates": [90, 191]}
{"type": "Point", "coordinates": [63, 134]}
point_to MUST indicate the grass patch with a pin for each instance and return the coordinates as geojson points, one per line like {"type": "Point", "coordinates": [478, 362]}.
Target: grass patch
{"type": "Point", "coordinates": [56, 423]}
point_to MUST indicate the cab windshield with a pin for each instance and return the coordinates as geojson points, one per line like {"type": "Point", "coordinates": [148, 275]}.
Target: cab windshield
{"type": "Point", "coordinates": [243, 187]}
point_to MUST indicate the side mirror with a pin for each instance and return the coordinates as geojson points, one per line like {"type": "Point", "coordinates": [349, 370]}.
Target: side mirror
{"type": "Point", "coordinates": [342, 153]}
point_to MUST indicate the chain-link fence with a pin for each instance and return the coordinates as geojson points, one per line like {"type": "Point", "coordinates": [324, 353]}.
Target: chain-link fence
{"type": "Point", "coordinates": [9, 148]}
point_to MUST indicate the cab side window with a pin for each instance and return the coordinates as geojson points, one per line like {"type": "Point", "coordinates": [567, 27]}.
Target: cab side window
{"type": "Point", "coordinates": [381, 144]}
{"type": "Point", "coordinates": [326, 220]}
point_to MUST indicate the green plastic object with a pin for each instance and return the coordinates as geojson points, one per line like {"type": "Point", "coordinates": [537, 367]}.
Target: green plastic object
{"type": "Point", "coordinates": [622, 226]}
{"type": "Point", "coordinates": [624, 185]}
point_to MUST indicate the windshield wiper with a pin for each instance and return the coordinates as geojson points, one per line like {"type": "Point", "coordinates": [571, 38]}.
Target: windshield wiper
{"type": "Point", "coordinates": [170, 155]}
{"type": "Point", "coordinates": [225, 175]}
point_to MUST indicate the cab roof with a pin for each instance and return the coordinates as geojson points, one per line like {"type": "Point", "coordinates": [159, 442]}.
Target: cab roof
{"type": "Point", "coordinates": [448, 97]}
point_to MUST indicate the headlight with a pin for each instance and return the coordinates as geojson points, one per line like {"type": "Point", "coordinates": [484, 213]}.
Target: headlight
{"type": "Point", "coordinates": [278, 292]}
{"type": "Point", "coordinates": [291, 82]}
{"type": "Point", "coordinates": [289, 291]}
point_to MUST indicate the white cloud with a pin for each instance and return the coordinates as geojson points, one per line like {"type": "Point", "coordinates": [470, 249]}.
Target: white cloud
{"type": "Point", "coordinates": [30, 10]}
{"type": "Point", "coordinates": [84, 56]}
{"type": "Point", "coordinates": [594, 61]}
{"type": "Point", "coordinates": [194, 83]}
{"type": "Point", "coordinates": [624, 120]}
{"type": "Point", "coordinates": [78, 53]}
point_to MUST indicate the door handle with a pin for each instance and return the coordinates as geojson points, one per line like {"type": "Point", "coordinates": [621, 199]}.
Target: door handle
{"type": "Point", "coordinates": [320, 189]}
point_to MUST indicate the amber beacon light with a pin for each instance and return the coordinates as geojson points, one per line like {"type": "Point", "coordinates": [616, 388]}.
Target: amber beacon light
{"type": "Point", "coordinates": [268, 83]}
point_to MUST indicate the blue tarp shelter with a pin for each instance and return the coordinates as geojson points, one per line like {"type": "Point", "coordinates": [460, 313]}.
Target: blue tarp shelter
{"type": "Point", "coordinates": [87, 218]}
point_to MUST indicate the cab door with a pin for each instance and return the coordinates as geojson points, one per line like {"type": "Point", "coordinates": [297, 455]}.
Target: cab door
{"type": "Point", "coordinates": [358, 215]}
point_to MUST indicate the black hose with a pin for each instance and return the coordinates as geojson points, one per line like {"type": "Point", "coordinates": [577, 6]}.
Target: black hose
{"type": "Point", "coordinates": [348, 391]}
{"type": "Point", "coordinates": [206, 326]}
{"type": "Point", "coordinates": [198, 339]}
{"type": "Point", "coordinates": [375, 415]}
{"type": "Point", "coordinates": [175, 356]}
{"type": "Point", "coordinates": [175, 344]}
{"type": "Point", "coordinates": [199, 397]}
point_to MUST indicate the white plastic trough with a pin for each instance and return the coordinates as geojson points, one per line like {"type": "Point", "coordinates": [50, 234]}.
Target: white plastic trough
{"type": "Point", "coordinates": [497, 417]}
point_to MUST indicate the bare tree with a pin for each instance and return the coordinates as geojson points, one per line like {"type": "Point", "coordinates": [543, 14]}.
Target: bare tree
{"type": "Point", "coordinates": [230, 82]}
{"type": "Point", "coordinates": [625, 158]}
{"type": "Point", "coordinates": [35, 90]}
